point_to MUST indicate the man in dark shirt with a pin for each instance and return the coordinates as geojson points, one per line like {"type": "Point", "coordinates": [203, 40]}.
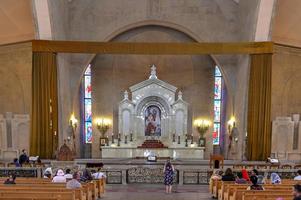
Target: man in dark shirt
{"type": "Point", "coordinates": [297, 192]}
{"type": "Point", "coordinates": [23, 157]}
{"type": "Point", "coordinates": [228, 175]}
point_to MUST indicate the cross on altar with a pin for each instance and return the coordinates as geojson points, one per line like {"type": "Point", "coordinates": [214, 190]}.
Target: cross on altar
{"type": "Point", "coordinates": [153, 72]}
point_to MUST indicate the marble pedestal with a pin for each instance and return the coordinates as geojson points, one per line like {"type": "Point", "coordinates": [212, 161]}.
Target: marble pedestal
{"type": "Point", "coordinates": [174, 153]}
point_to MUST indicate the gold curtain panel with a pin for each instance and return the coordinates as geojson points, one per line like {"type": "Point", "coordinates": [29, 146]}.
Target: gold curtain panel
{"type": "Point", "coordinates": [259, 108]}
{"type": "Point", "coordinates": [44, 123]}
{"type": "Point", "coordinates": [151, 48]}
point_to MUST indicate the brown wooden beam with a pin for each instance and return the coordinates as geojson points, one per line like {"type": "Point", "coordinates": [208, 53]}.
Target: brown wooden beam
{"type": "Point", "coordinates": [151, 48]}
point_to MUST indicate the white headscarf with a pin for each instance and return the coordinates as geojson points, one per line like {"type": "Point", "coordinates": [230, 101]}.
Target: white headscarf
{"type": "Point", "coordinates": [60, 172]}
{"type": "Point", "coordinates": [275, 178]}
{"type": "Point", "coordinates": [49, 170]}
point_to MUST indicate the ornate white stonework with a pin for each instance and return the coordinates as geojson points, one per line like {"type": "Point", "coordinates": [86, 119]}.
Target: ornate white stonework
{"type": "Point", "coordinates": [14, 135]}
{"type": "Point", "coordinates": [153, 92]}
{"type": "Point", "coordinates": [170, 117]}
{"type": "Point", "coordinates": [286, 131]}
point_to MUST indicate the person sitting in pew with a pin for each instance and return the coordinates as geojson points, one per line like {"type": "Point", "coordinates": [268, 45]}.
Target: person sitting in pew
{"type": "Point", "coordinates": [297, 192]}
{"type": "Point", "coordinates": [245, 174]}
{"type": "Point", "coordinates": [240, 179]}
{"type": "Point", "coordinates": [68, 174]}
{"type": "Point", "coordinates": [16, 162]}
{"type": "Point", "coordinates": [98, 174]}
{"type": "Point", "coordinates": [229, 176]}
{"type": "Point", "coordinates": [74, 182]}
{"type": "Point", "coordinates": [11, 179]}
{"type": "Point", "coordinates": [47, 173]}
{"type": "Point", "coordinates": [59, 177]}
{"type": "Point", "coordinates": [87, 176]}
{"type": "Point", "coordinates": [261, 179]}
{"type": "Point", "coordinates": [275, 178]}
{"type": "Point", "coordinates": [255, 185]}
{"type": "Point", "coordinates": [217, 175]}
{"type": "Point", "coordinates": [298, 177]}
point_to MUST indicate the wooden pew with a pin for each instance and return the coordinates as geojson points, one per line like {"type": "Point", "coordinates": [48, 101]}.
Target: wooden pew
{"type": "Point", "coordinates": [222, 189]}
{"type": "Point", "coordinates": [69, 195]}
{"type": "Point", "coordinates": [79, 194]}
{"type": "Point", "coordinates": [230, 188]}
{"type": "Point", "coordinates": [100, 186]}
{"type": "Point", "coordinates": [239, 192]}
{"type": "Point", "coordinates": [267, 194]}
{"type": "Point", "coordinates": [212, 184]}
{"type": "Point", "coordinates": [29, 198]}
{"type": "Point", "coordinates": [216, 186]}
{"type": "Point", "coordinates": [28, 180]}
{"type": "Point", "coordinates": [93, 189]}
{"type": "Point", "coordinates": [225, 189]}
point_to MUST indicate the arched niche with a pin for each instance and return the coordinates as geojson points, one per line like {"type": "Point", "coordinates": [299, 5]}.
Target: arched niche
{"type": "Point", "coordinates": [149, 96]}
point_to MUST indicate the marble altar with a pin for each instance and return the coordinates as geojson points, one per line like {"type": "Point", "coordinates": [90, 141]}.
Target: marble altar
{"type": "Point", "coordinates": [172, 152]}
{"type": "Point", "coordinates": [156, 110]}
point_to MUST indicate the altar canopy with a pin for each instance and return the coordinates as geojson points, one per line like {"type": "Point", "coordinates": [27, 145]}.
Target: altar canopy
{"type": "Point", "coordinates": [153, 122]}
{"type": "Point", "coordinates": [155, 110]}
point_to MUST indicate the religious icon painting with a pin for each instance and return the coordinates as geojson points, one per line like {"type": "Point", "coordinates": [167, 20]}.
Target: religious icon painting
{"type": "Point", "coordinates": [152, 119]}
{"type": "Point", "coordinates": [103, 141]}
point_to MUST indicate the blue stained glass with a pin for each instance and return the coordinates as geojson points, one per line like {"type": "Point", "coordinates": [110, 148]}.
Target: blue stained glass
{"type": "Point", "coordinates": [218, 81]}
{"type": "Point", "coordinates": [217, 71]}
{"type": "Point", "coordinates": [88, 132]}
{"type": "Point", "coordinates": [218, 88]}
{"type": "Point", "coordinates": [88, 70]}
{"type": "Point", "coordinates": [88, 110]}
{"type": "Point", "coordinates": [217, 110]}
{"type": "Point", "coordinates": [88, 88]}
{"type": "Point", "coordinates": [216, 133]}
{"type": "Point", "coordinates": [87, 106]}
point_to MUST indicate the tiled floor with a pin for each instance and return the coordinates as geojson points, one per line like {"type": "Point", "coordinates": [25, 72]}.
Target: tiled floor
{"type": "Point", "coordinates": [155, 192]}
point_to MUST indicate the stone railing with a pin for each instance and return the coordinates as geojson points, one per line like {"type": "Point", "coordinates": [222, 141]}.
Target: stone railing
{"type": "Point", "coordinates": [21, 172]}
{"type": "Point", "coordinates": [147, 175]}
{"type": "Point", "coordinates": [150, 175]}
{"type": "Point", "coordinates": [182, 177]}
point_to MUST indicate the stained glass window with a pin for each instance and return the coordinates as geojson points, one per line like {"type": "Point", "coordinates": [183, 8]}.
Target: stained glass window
{"type": "Point", "coordinates": [216, 133]}
{"type": "Point", "coordinates": [217, 110]}
{"type": "Point", "coordinates": [218, 84]}
{"type": "Point", "coordinates": [87, 105]}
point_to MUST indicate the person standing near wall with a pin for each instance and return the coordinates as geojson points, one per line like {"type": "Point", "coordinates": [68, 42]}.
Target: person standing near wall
{"type": "Point", "coordinates": [23, 157]}
{"type": "Point", "coordinates": [168, 176]}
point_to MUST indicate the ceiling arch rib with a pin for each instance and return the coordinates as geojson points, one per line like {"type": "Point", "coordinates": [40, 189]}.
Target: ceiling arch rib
{"type": "Point", "coordinates": [42, 19]}
{"type": "Point", "coordinates": [264, 19]}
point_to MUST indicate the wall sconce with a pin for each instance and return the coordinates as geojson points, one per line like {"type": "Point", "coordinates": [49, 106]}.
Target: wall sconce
{"type": "Point", "coordinates": [103, 124]}
{"type": "Point", "coordinates": [233, 133]}
{"type": "Point", "coordinates": [231, 124]}
{"type": "Point", "coordinates": [202, 126]}
{"type": "Point", "coordinates": [73, 125]}
{"type": "Point", "coordinates": [73, 122]}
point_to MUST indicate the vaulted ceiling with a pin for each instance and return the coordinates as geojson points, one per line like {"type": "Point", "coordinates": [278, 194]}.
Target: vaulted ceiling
{"type": "Point", "coordinates": [16, 21]}
{"type": "Point", "coordinates": [287, 29]}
